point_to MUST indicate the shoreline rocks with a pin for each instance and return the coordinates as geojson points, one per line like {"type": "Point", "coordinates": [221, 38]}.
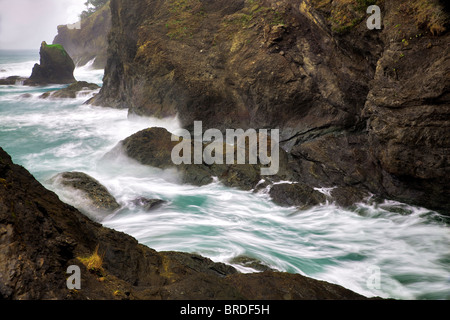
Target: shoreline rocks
{"type": "Point", "coordinates": [153, 147]}
{"type": "Point", "coordinates": [354, 107]}
{"type": "Point", "coordinates": [40, 237]}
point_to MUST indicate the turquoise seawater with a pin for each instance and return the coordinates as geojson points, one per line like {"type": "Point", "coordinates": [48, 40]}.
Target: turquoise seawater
{"type": "Point", "coordinates": [389, 250]}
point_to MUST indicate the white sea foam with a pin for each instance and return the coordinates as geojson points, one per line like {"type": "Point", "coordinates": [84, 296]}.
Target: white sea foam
{"type": "Point", "coordinates": [22, 69]}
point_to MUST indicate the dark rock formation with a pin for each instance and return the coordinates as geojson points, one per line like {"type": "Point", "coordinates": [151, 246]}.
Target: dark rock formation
{"type": "Point", "coordinates": [56, 67]}
{"type": "Point", "coordinates": [40, 237]}
{"type": "Point", "coordinates": [71, 91]}
{"type": "Point", "coordinates": [100, 198]}
{"type": "Point", "coordinates": [358, 109]}
{"type": "Point", "coordinates": [88, 42]}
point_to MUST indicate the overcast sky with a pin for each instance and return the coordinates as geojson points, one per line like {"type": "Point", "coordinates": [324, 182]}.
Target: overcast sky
{"type": "Point", "coordinates": [24, 24]}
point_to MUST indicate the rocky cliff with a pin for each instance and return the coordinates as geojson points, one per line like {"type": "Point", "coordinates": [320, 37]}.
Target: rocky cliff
{"type": "Point", "coordinates": [363, 110]}
{"type": "Point", "coordinates": [40, 237]}
{"type": "Point", "coordinates": [89, 41]}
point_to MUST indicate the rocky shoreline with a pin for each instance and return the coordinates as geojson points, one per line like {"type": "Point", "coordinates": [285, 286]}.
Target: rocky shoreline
{"type": "Point", "coordinates": [40, 237]}
{"type": "Point", "coordinates": [355, 109]}
{"type": "Point", "coordinates": [358, 116]}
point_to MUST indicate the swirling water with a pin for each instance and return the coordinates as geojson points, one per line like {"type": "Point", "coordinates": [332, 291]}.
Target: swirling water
{"type": "Point", "coordinates": [388, 250]}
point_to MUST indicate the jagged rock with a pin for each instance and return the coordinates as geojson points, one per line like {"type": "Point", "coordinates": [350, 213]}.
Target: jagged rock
{"type": "Point", "coordinates": [56, 67]}
{"type": "Point", "coordinates": [71, 91]}
{"type": "Point", "coordinates": [40, 237]}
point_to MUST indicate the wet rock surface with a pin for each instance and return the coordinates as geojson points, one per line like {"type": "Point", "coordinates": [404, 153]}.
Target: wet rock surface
{"type": "Point", "coordinates": [97, 194]}
{"type": "Point", "coordinates": [40, 236]}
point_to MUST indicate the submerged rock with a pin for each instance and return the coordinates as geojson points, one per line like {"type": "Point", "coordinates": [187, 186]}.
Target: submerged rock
{"type": "Point", "coordinates": [56, 66]}
{"type": "Point", "coordinates": [26, 96]}
{"type": "Point", "coordinates": [99, 196]}
{"type": "Point", "coordinates": [148, 204]}
{"type": "Point", "coordinates": [71, 91]}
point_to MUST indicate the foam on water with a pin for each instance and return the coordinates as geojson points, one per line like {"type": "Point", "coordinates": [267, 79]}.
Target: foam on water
{"type": "Point", "coordinates": [409, 246]}
{"type": "Point", "coordinates": [89, 74]}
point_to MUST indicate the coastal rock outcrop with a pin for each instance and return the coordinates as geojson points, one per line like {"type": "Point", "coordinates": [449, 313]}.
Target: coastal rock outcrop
{"type": "Point", "coordinates": [55, 67]}
{"type": "Point", "coordinates": [357, 109]}
{"type": "Point", "coordinates": [40, 237]}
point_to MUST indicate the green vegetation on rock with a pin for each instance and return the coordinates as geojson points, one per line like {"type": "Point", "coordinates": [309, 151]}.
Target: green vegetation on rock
{"type": "Point", "coordinates": [57, 47]}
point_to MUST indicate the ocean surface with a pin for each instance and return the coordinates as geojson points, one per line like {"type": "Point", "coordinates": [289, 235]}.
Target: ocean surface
{"type": "Point", "coordinates": [390, 250]}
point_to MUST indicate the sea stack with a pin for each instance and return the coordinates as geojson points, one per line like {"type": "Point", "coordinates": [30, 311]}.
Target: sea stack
{"type": "Point", "coordinates": [56, 66]}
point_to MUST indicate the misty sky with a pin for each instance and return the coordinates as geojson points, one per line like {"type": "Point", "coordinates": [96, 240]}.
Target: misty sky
{"type": "Point", "coordinates": [24, 24]}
